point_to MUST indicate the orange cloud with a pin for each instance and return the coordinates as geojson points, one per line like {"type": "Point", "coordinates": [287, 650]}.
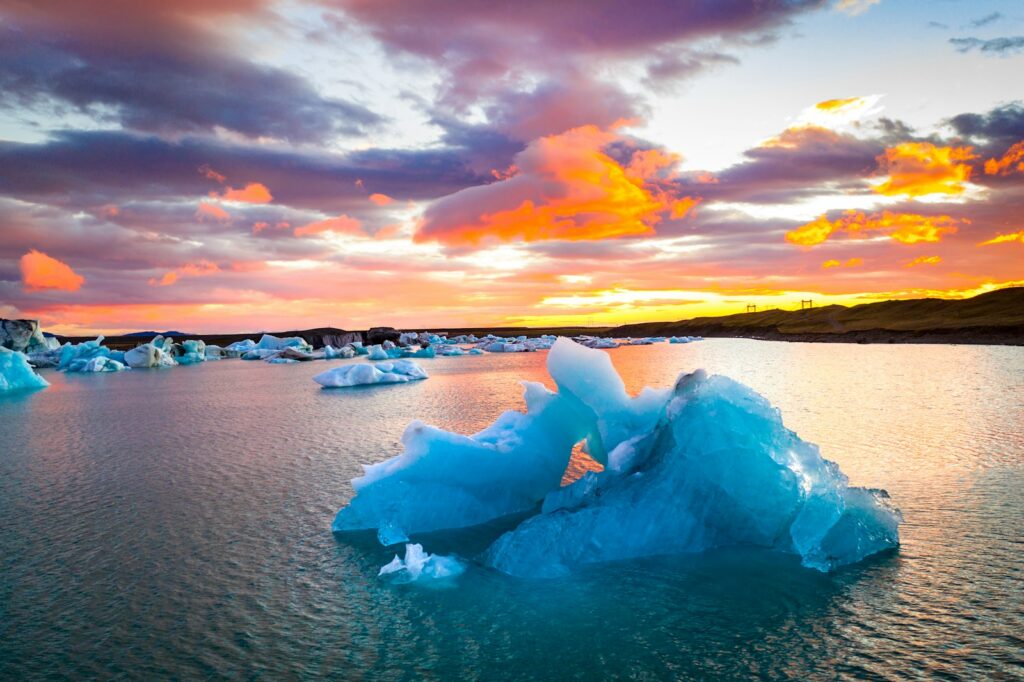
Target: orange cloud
{"type": "Point", "coordinates": [253, 193]}
{"type": "Point", "coordinates": [381, 199]}
{"type": "Point", "coordinates": [212, 212]}
{"type": "Point", "coordinates": [837, 104]}
{"type": "Point", "coordinates": [851, 263]}
{"type": "Point", "coordinates": [907, 228]}
{"type": "Point", "coordinates": [343, 224]}
{"type": "Point", "coordinates": [39, 271]}
{"type": "Point", "coordinates": [1013, 160]}
{"type": "Point", "coordinates": [924, 260]}
{"type": "Point", "coordinates": [920, 168]}
{"type": "Point", "coordinates": [566, 187]}
{"type": "Point", "coordinates": [199, 269]}
{"type": "Point", "coordinates": [1005, 238]}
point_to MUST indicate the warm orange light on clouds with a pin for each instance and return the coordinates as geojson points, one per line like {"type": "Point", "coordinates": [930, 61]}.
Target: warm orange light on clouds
{"type": "Point", "coordinates": [849, 263]}
{"type": "Point", "coordinates": [381, 199]}
{"type": "Point", "coordinates": [207, 212]}
{"type": "Point", "coordinates": [253, 193]}
{"type": "Point", "coordinates": [200, 269]}
{"type": "Point", "coordinates": [39, 271]}
{"type": "Point", "coordinates": [1012, 160]}
{"type": "Point", "coordinates": [924, 260]}
{"type": "Point", "coordinates": [343, 224]}
{"type": "Point", "coordinates": [1005, 238]}
{"type": "Point", "coordinates": [907, 228]}
{"type": "Point", "coordinates": [837, 104]}
{"type": "Point", "coordinates": [566, 187]}
{"type": "Point", "coordinates": [920, 168]}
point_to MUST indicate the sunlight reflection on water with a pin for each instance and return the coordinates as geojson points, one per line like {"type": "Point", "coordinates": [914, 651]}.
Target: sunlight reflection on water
{"type": "Point", "coordinates": [175, 523]}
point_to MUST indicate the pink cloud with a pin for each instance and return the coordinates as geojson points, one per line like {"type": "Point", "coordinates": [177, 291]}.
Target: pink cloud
{"type": "Point", "coordinates": [39, 271]}
{"type": "Point", "coordinates": [207, 211]}
{"type": "Point", "coordinates": [342, 224]}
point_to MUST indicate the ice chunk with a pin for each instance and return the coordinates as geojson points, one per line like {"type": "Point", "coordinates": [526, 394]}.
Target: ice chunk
{"type": "Point", "coordinates": [213, 352]}
{"type": "Point", "coordinates": [271, 342]}
{"type": "Point", "coordinates": [193, 352]}
{"type": "Point", "coordinates": [97, 364]}
{"type": "Point", "coordinates": [419, 565]}
{"type": "Point", "coordinates": [705, 464]}
{"type": "Point", "coordinates": [376, 352]}
{"type": "Point", "coordinates": [16, 374]}
{"type": "Point", "coordinates": [75, 357]}
{"type": "Point", "coordinates": [156, 353]}
{"type": "Point", "coordinates": [447, 480]}
{"type": "Point", "coordinates": [23, 336]}
{"type": "Point", "coordinates": [390, 534]}
{"type": "Point", "coordinates": [426, 352]}
{"type": "Point", "coordinates": [331, 353]}
{"type": "Point", "coordinates": [719, 468]}
{"type": "Point", "coordinates": [587, 377]}
{"type": "Point", "coordinates": [393, 372]}
{"type": "Point", "coordinates": [277, 360]}
{"type": "Point", "coordinates": [260, 354]}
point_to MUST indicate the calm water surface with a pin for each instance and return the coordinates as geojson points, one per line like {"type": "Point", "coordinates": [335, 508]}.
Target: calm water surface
{"type": "Point", "coordinates": [176, 524]}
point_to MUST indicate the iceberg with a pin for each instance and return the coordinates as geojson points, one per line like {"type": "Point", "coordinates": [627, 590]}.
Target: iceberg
{"type": "Point", "coordinates": [332, 353]}
{"type": "Point", "coordinates": [425, 352]}
{"type": "Point", "coordinates": [239, 348]}
{"type": "Point", "coordinates": [16, 374]}
{"type": "Point", "coordinates": [705, 464]}
{"type": "Point", "coordinates": [156, 353]}
{"type": "Point", "coordinates": [446, 480]}
{"type": "Point", "coordinates": [394, 372]}
{"type": "Point", "coordinates": [277, 360]}
{"type": "Point", "coordinates": [419, 565]}
{"type": "Point", "coordinates": [271, 342]}
{"type": "Point", "coordinates": [76, 358]}
{"type": "Point", "coordinates": [98, 364]}
{"type": "Point", "coordinates": [718, 469]}
{"type": "Point", "coordinates": [260, 354]}
{"type": "Point", "coordinates": [24, 336]}
{"type": "Point", "coordinates": [194, 352]}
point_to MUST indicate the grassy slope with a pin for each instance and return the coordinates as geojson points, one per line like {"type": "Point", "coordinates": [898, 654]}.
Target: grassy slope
{"type": "Point", "coordinates": [1002, 309]}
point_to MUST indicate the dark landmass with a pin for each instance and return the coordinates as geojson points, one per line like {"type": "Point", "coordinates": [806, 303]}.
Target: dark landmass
{"type": "Point", "coordinates": [995, 318]}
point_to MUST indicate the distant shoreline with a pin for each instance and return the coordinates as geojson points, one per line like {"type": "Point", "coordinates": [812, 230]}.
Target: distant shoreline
{"type": "Point", "coordinates": [995, 318]}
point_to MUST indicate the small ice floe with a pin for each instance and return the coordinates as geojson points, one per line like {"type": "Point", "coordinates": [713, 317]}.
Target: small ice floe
{"type": "Point", "coordinates": [392, 372]}
{"type": "Point", "coordinates": [16, 374]}
{"type": "Point", "coordinates": [421, 566]}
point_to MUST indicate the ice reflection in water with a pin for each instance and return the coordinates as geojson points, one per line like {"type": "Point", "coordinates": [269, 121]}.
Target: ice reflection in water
{"type": "Point", "coordinates": [175, 524]}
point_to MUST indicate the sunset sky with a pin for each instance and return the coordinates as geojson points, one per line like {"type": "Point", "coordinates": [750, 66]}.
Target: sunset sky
{"type": "Point", "coordinates": [244, 165]}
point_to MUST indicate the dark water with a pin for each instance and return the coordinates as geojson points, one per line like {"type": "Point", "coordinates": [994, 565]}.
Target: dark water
{"type": "Point", "coordinates": [175, 524]}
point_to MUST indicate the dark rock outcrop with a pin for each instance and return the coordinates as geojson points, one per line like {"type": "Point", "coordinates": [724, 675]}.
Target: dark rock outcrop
{"type": "Point", "coordinates": [381, 334]}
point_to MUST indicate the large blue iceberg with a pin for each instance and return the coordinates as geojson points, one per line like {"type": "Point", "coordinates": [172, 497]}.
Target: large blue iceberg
{"type": "Point", "coordinates": [705, 464]}
{"type": "Point", "coordinates": [16, 374]}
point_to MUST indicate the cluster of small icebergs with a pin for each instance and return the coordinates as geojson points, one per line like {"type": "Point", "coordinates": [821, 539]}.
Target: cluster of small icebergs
{"type": "Point", "coordinates": [707, 463]}
{"type": "Point", "coordinates": [35, 350]}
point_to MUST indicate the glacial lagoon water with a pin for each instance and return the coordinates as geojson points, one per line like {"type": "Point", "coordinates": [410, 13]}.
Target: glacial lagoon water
{"type": "Point", "coordinates": [175, 523]}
